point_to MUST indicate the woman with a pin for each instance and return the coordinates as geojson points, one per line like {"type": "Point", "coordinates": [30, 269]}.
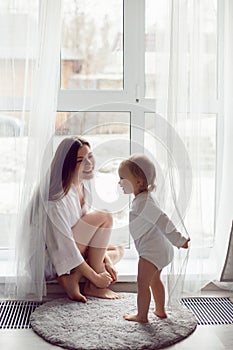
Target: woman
{"type": "Point", "coordinates": [77, 240]}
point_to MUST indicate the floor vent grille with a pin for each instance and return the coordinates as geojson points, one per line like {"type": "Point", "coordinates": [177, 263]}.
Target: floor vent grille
{"type": "Point", "coordinates": [16, 314]}
{"type": "Point", "coordinates": [210, 311]}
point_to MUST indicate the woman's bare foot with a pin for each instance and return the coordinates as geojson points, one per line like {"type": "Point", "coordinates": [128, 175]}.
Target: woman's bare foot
{"type": "Point", "coordinates": [160, 314]}
{"type": "Point", "coordinates": [135, 318]}
{"type": "Point", "coordinates": [104, 293]}
{"type": "Point", "coordinates": [71, 288]}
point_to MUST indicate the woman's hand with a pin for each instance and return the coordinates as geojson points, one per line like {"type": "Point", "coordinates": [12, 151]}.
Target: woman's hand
{"type": "Point", "coordinates": [110, 268]}
{"type": "Point", "coordinates": [103, 279]}
{"type": "Point", "coordinates": [112, 271]}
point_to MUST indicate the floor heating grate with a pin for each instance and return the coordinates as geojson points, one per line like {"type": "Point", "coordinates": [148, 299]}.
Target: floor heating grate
{"type": "Point", "coordinates": [16, 314]}
{"type": "Point", "coordinates": [210, 311]}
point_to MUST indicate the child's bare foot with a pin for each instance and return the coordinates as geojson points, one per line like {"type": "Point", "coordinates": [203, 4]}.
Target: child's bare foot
{"type": "Point", "coordinates": [103, 293]}
{"type": "Point", "coordinates": [160, 314]}
{"type": "Point", "coordinates": [71, 288]}
{"type": "Point", "coordinates": [135, 318]}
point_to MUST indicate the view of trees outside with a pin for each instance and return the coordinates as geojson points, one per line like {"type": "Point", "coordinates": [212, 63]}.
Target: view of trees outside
{"type": "Point", "coordinates": [92, 45]}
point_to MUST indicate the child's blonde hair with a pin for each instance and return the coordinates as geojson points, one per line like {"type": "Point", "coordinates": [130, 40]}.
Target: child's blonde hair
{"type": "Point", "coordinates": [141, 166]}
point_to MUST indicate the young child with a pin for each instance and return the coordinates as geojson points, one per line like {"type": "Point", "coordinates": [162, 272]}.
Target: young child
{"type": "Point", "coordinates": [153, 233]}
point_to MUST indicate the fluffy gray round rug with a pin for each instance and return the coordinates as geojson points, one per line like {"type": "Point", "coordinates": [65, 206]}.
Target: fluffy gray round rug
{"type": "Point", "coordinates": [99, 325]}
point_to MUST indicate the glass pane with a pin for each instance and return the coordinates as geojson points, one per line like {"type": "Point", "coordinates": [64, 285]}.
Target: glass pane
{"type": "Point", "coordinates": [200, 46]}
{"type": "Point", "coordinates": [109, 136]}
{"type": "Point", "coordinates": [13, 145]}
{"type": "Point", "coordinates": [18, 30]}
{"type": "Point", "coordinates": [92, 45]}
{"type": "Point", "coordinates": [199, 138]}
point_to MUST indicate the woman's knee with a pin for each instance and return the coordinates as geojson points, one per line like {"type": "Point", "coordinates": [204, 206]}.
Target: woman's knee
{"type": "Point", "coordinates": [107, 218]}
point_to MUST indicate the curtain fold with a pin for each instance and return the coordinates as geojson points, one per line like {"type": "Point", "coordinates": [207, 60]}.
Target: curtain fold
{"type": "Point", "coordinates": [176, 98]}
{"type": "Point", "coordinates": [190, 49]}
{"type": "Point", "coordinates": [224, 187]}
{"type": "Point", "coordinates": [28, 265]}
{"type": "Point", "coordinates": [209, 214]}
{"type": "Point", "coordinates": [186, 90]}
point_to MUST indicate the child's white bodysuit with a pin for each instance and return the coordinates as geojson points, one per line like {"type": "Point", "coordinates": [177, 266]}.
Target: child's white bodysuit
{"type": "Point", "coordinates": [153, 232]}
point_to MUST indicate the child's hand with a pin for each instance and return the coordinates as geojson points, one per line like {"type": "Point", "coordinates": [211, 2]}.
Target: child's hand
{"type": "Point", "coordinates": [185, 245]}
{"type": "Point", "coordinates": [104, 279]}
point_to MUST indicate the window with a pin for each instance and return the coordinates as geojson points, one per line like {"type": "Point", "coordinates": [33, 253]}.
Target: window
{"type": "Point", "coordinates": [17, 19]}
{"type": "Point", "coordinates": [203, 175]}
{"type": "Point", "coordinates": [157, 41]}
{"type": "Point", "coordinates": [109, 136]}
{"type": "Point", "coordinates": [13, 156]}
{"type": "Point", "coordinates": [92, 45]}
{"type": "Point", "coordinates": [112, 58]}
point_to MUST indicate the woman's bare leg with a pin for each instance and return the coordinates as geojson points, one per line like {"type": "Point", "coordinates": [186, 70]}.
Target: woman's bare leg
{"type": "Point", "coordinates": [98, 265]}
{"type": "Point", "coordinates": [159, 295]}
{"type": "Point", "coordinates": [70, 283]}
{"type": "Point", "coordinates": [146, 270]}
{"type": "Point", "coordinates": [93, 232]}
{"type": "Point", "coordinates": [115, 253]}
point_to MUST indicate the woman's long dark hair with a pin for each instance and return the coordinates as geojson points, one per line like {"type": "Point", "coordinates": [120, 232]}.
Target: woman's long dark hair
{"type": "Point", "coordinates": [63, 166]}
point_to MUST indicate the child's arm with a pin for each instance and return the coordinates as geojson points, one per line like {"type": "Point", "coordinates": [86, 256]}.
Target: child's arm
{"type": "Point", "coordinates": [186, 244]}
{"type": "Point", "coordinates": [144, 216]}
{"type": "Point", "coordinates": [171, 232]}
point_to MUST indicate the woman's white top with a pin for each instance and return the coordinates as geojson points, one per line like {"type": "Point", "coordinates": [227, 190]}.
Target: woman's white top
{"type": "Point", "coordinates": [153, 232]}
{"type": "Point", "coordinates": [62, 253]}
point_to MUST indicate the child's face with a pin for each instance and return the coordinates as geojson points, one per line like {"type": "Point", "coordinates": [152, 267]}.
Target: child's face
{"type": "Point", "coordinates": [128, 182]}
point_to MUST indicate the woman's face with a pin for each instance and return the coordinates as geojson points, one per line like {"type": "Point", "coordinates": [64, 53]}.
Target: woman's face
{"type": "Point", "coordinates": [85, 163]}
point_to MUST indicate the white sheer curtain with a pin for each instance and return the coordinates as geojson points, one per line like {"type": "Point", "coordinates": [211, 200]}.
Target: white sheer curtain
{"type": "Point", "coordinates": [27, 275]}
{"type": "Point", "coordinates": [224, 186]}
{"type": "Point", "coordinates": [185, 104]}
{"type": "Point", "coordinates": [186, 87]}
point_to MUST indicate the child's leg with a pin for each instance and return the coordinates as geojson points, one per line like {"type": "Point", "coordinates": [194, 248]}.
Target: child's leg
{"type": "Point", "coordinates": [145, 272]}
{"type": "Point", "coordinates": [158, 294]}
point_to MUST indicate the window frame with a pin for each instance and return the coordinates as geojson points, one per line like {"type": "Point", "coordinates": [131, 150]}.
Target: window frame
{"type": "Point", "coordinates": [132, 97]}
